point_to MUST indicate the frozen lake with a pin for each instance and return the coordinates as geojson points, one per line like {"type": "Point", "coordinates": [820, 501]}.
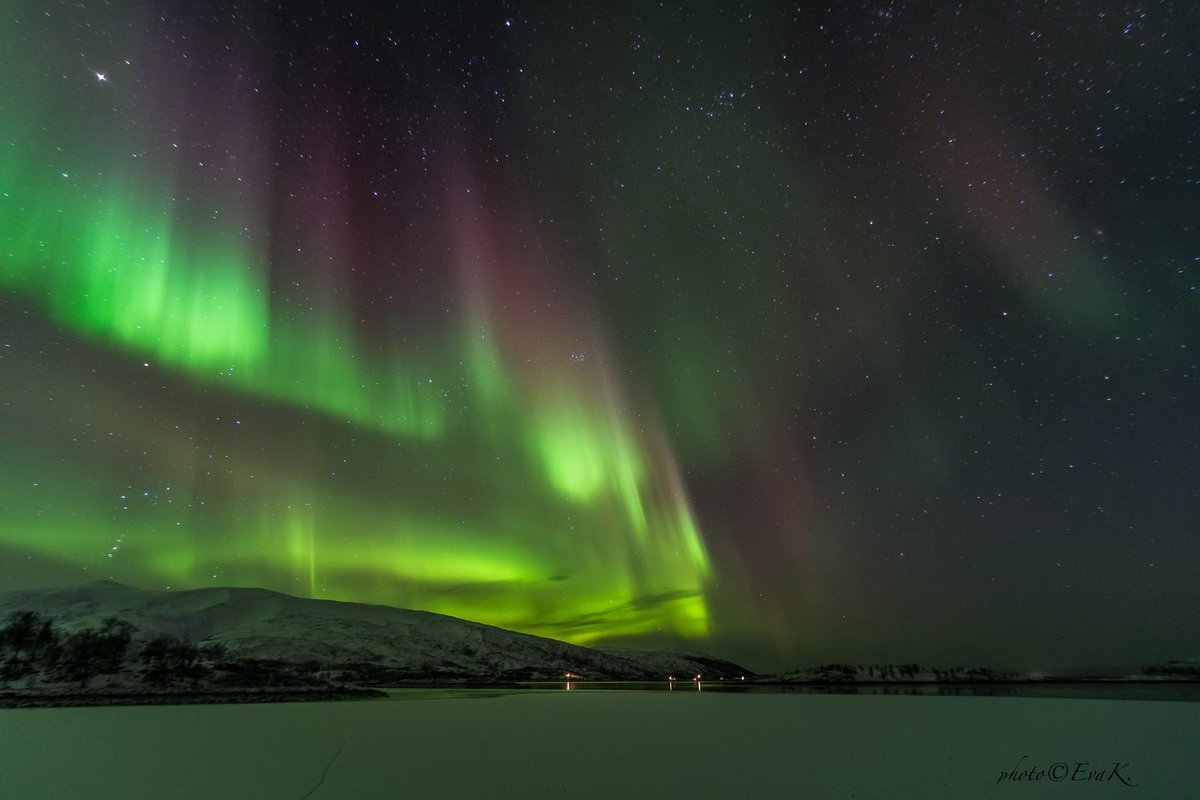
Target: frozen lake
{"type": "Point", "coordinates": [601, 744]}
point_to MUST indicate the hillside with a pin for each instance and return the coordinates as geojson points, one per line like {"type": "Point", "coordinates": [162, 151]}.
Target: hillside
{"type": "Point", "coordinates": [366, 641]}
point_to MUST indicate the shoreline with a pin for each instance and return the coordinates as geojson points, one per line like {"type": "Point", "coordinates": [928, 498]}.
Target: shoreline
{"type": "Point", "coordinates": [9, 699]}
{"type": "Point", "coordinates": [134, 697]}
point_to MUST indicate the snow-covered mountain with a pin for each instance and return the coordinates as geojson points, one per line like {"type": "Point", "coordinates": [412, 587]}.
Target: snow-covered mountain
{"type": "Point", "coordinates": [395, 643]}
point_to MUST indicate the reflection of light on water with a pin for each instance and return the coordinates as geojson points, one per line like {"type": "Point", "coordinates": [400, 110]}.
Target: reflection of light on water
{"type": "Point", "coordinates": [569, 686]}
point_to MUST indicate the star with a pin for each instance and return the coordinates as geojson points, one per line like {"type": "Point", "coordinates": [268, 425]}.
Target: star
{"type": "Point", "coordinates": [101, 77]}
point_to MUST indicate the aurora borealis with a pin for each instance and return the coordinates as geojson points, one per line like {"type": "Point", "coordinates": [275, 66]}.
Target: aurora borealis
{"type": "Point", "coordinates": [863, 333]}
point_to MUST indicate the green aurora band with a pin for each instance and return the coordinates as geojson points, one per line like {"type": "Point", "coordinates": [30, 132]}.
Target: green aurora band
{"type": "Point", "coordinates": [504, 481]}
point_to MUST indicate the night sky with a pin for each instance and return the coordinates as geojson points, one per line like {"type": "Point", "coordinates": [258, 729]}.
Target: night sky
{"type": "Point", "coordinates": [787, 333]}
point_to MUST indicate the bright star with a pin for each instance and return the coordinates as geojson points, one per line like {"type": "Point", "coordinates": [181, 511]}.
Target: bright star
{"type": "Point", "coordinates": [101, 77]}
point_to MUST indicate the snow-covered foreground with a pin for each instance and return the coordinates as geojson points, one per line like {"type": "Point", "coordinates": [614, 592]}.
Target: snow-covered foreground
{"type": "Point", "coordinates": [606, 744]}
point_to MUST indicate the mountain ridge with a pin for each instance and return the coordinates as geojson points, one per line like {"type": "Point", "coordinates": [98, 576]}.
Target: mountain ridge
{"type": "Point", "coordinates": [402, 644]}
